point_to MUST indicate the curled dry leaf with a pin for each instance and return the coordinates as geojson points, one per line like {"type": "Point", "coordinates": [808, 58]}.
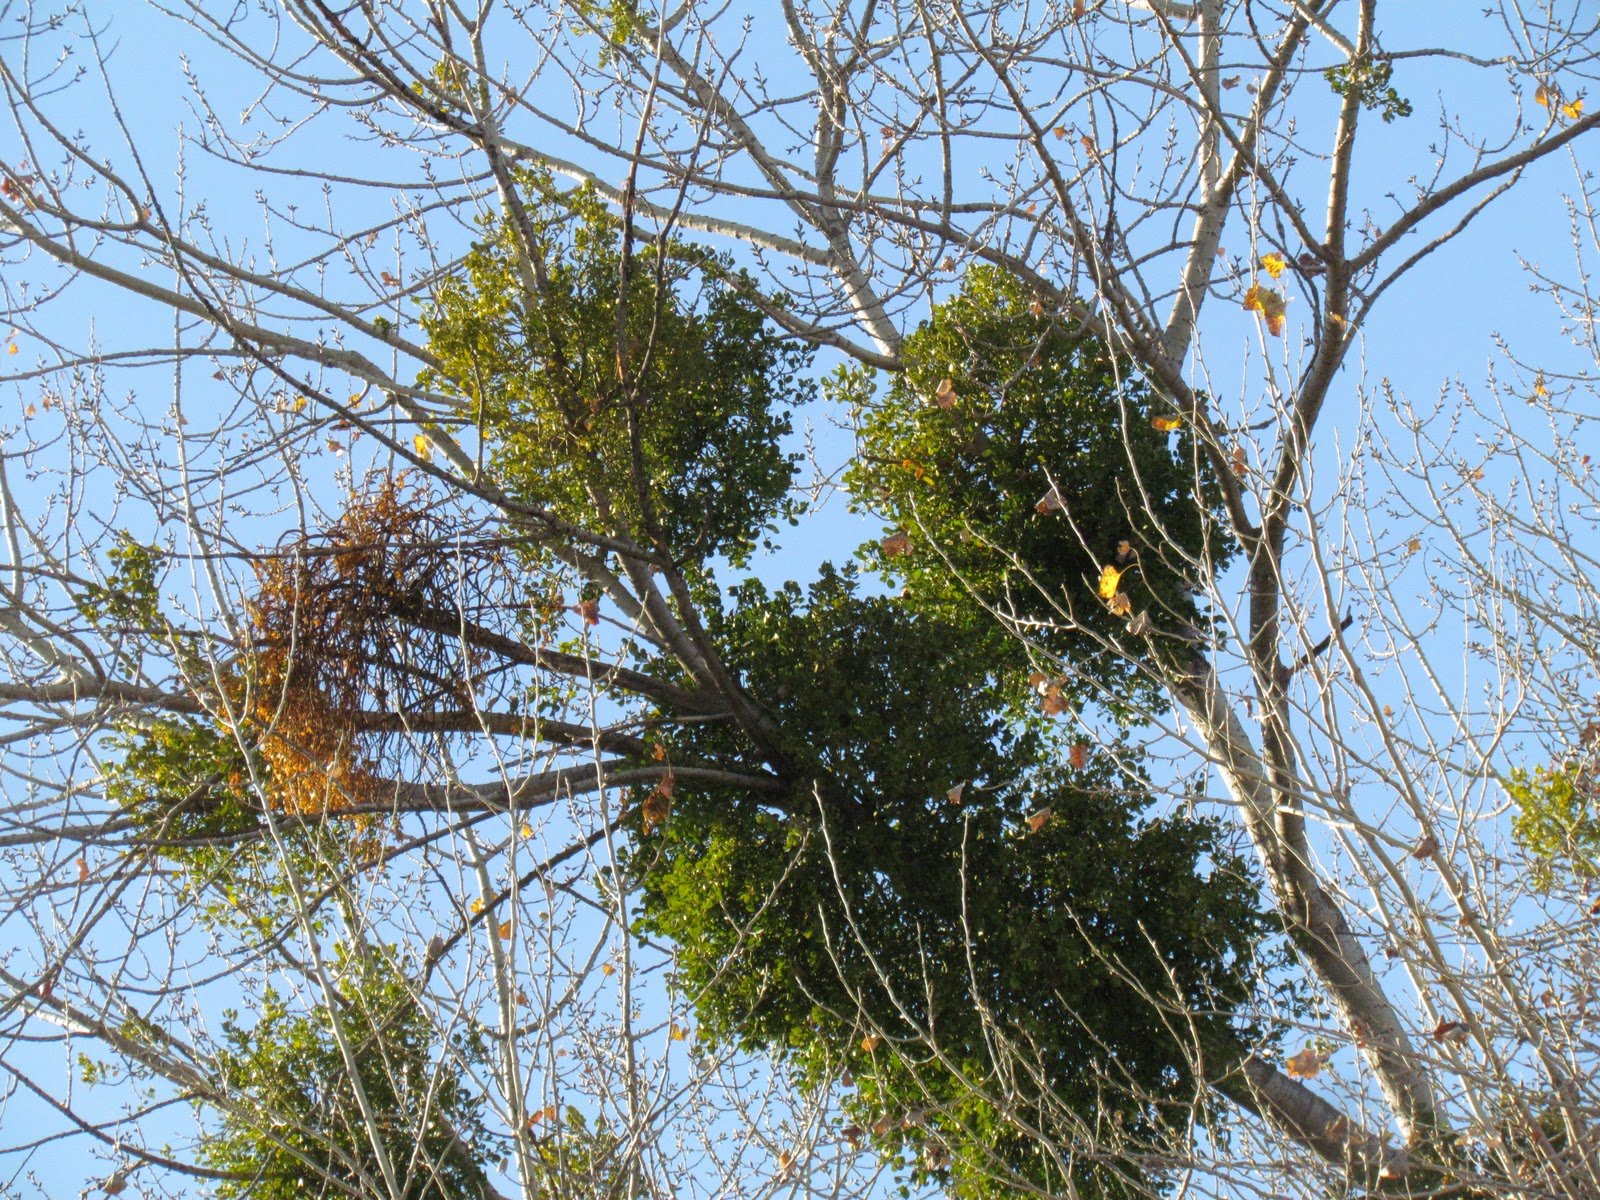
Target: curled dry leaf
{"type": "Point", "coordinates": [1078, 755]}
{"type": "Point", "coordinates": [1036, 307]}
{"type": "Point", "coordinates": [1449, 1031]}
{"type": "Point", "coordinates": [945, 394]}
{"type": "Point", "coordinates": [1050, 502]}
{"type": "Point", "coordinates": [1166, 424]}
{"type": "Point", "coordinates": [871, 1042]}
{"type": "Point", "coordinates": [1305, 1065]}
{"type": "Point", "coordinates": [1426, 848]}
{"type": "Point", "coordinates": [1269, 304]}
{"type": "Point", "coordinates": [503, 930]}
{"type": "Point", "coordinates": [896, 545]}
{"type": "Point", "coordinates": [955, 794]}
{"type": "Point", "coordinates": [655, 811]}
{"type": "Point", "coordinates": [1124, 550]}
{"type": "Point", "coordinates": [589, 610]}
{"type": "Point", "coordinates": [1040, 819]}
{"type": "Point", "coordinates": [1139, 624]}
{"type": "Point", "coordinates": [1120, 605]}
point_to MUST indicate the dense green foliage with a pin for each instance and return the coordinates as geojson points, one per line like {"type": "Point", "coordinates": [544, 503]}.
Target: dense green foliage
{"type": "Point", "coordinates": [186, 781]}
{"type": "Point", "coordinates": [656, 416]}
{"type": "Point", "coordinates": [1037, 466]}
{"type": "Point", "coordinates": [989, 933]}
{"type": "Point", "coordinates": [298, 1128]}
{"type": "Point", "coordinates": [977, 976]}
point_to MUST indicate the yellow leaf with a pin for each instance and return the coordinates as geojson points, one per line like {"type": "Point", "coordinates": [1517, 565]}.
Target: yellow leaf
{"type": "Point", "coordinates": [1110, 580]}
{"type": "Point", "coordinates": [1539, 388]}
{"type": "Point", "coordinates": [1574, 110]}
{"type": "Point", "coordinates": [1274, 264]}
{"type": "Point", "coordinates": [1166, 424]}
{"type": "Point", "coordinates": [1541, 96]}
{"type": "Point", "coordinates": [525, 830]}
{"type": "Point", "coordinates": [1305, 1065]}
{"type": "Point", "coordinates": [871, 1042]}
{"type": "Point", "coordinates": [298, 404]}
{"type": "Point", "coordinates": [503, 930]}
{"type": "Point", "coordinates": [424, 447]}
{"type": "Point", "coordinates": [607, 969]}
{"type": "Point", "coordinates": [476, 907]}
{"type": "Point", "coordinates": [1268, 303]}
{"type": "Point", "coordinates": [678, 1032]}
{"type": "Point", "coordinates": [11, 348]}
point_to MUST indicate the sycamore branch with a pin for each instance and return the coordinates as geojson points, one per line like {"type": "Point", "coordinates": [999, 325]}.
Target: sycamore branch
{"type": "Point", "coordinates": [1314, 921]}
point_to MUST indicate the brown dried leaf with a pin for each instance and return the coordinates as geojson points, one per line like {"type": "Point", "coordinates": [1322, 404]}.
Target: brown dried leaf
{"type": "Point", "coordinates": [1050, 502]}
{"type": "Point", "coordinates": [1305, 1065]}
{"type": "Point", "coordinates": [896, 545]}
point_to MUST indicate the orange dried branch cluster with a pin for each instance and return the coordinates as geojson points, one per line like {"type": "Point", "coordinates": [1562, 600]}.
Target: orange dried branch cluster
{"type": "Point", "coordinates": [333, 637]}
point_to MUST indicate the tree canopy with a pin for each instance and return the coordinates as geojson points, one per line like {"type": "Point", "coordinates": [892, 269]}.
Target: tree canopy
{"type": "Point", "coordinates": [855, 598]}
